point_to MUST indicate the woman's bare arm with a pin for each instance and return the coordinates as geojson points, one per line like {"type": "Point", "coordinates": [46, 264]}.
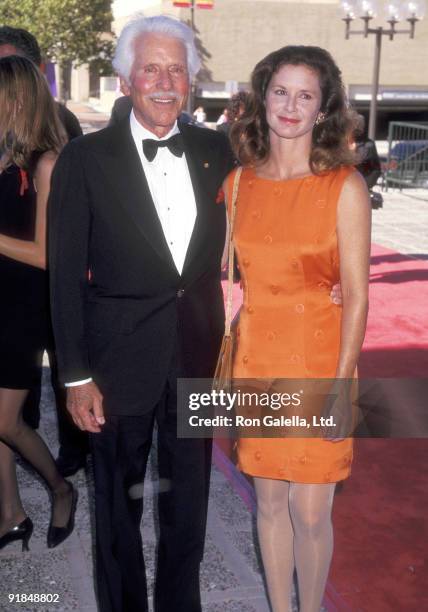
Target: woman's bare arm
{"type": "Point", "coordinates": [354, 234]}
{"type": "Point", "coordinates": [33, 252]}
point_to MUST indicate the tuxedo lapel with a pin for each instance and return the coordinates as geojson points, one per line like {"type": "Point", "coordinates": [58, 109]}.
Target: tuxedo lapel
{"type": "Point", "coordinates": [126, 173]}
{"type": "Point", "coordinates": [198, 168]}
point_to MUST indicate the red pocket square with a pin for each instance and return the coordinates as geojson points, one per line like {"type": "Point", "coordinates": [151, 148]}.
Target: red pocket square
{"type": "Point", "coordinates": [23, 183]}
{"type": "Point", "coordinates": [220, 196]}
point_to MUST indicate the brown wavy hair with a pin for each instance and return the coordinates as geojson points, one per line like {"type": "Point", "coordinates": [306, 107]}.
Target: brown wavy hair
{"type": "Point", "coordinates": [29, 122]}
{"type": "Point", "coordinates": [330, 149]}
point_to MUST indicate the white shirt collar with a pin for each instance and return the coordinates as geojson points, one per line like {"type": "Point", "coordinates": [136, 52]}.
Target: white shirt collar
{"type": "Point", "coordinates": [139, 132]}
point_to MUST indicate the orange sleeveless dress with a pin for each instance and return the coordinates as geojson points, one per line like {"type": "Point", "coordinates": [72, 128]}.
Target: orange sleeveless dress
{"type": "Point", "coordinates": [286, 245]}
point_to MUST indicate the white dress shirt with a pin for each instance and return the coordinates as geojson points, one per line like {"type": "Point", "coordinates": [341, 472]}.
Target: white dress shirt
{"type": "Point", "coordinates": [171, 189]}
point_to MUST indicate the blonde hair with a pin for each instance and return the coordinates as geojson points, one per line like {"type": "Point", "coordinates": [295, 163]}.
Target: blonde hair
{"type": "Point", "coordinates": [29, 122]}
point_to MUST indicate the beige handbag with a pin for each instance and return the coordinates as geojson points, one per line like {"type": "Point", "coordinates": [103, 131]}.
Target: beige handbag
{"type": "Point", "coordinates": [223, 373]}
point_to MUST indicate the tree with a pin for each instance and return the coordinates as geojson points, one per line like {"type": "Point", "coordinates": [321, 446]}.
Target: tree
{"type": "Point", "coordinates": [68, 31]}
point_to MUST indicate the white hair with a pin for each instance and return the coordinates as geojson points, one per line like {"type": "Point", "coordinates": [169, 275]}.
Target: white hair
{"type": "Point", "coordinates": [161, 24]}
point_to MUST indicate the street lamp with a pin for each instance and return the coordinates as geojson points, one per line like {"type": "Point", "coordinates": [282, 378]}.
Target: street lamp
{"type": "Point", "coordinates": [393, 11]}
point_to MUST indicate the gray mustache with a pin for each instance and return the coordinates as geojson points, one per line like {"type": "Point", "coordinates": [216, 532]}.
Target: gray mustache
{"type": "Point", "coordinates": [164, 94]}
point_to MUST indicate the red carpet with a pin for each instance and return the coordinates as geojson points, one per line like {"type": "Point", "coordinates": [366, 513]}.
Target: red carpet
{"type": "Point", "coordinates": [396, 343]}
{"type": "Point", "coordinates": [380, 523]}
{"type": "Point", "coordinates": [380, 512]}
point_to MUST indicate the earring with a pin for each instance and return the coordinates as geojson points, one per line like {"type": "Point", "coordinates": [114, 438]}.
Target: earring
{"type": "Point", "coordinates": [320, 118]}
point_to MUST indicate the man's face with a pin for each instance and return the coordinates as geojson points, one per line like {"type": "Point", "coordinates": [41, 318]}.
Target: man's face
{"type": "Point", "coordinates": [159, 81]}
{"type": "Point", "coordinates": [6, 50]}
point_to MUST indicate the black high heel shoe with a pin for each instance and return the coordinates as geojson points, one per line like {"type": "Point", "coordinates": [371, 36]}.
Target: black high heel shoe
{"type": "Point", "coordinates": [22, 532]}
{"type": "Point", "coordinates": [57, 535]}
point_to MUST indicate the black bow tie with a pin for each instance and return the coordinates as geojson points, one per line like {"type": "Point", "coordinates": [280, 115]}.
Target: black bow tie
{"type": "Point", "coordinates": [174, 144]}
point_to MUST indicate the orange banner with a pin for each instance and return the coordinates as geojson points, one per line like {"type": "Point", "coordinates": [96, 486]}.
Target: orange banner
{"type": "Point", "coordinates": [203, 4]}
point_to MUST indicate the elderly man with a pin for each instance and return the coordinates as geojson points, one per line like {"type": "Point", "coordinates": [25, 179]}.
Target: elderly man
{"type": "Point", "coordinates": [136, 244]}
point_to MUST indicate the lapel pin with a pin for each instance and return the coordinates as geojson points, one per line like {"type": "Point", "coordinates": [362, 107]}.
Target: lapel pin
{"type": "Point", "coordinates": [206, 165]}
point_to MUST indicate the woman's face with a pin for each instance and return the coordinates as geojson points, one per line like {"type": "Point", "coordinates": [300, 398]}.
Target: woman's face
{"type": "Point", "coordinates": [293, 101]}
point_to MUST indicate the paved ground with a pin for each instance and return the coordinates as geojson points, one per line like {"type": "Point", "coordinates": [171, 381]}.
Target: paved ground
{"type": "Point", "coordinates": [402, 223]}
{"type": "Point", "coordinates": [231, 577]}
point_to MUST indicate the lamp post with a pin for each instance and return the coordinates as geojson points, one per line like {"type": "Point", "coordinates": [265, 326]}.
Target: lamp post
{"type": "Point", "coordinates": [394, 12]}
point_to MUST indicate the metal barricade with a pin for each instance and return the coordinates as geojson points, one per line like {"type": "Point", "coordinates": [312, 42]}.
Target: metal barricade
{"type": "Point", "coordinates": [407, 162]}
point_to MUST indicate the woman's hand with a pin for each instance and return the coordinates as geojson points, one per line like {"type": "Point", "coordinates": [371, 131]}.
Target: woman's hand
{"type": "Point", "coordinates": [338, 410]}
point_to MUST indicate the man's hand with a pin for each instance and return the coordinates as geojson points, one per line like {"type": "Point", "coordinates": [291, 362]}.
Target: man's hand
{"type": "Point", "coordinates": [85, 404]}
{"type": "Point", "coordinates": [336, 294]}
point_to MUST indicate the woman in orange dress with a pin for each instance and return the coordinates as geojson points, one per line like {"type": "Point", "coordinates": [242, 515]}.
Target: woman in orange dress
{"type": "Point", "coordinates": [302, 225]}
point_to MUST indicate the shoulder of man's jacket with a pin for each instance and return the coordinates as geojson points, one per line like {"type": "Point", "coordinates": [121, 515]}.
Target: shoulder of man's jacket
{"type": "Point", "coordinates": [91, 144]}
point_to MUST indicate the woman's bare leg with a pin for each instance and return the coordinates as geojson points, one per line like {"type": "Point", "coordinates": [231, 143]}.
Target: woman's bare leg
{"type": "Point", "coordinates": [276, 540]}
{"type": "Point", "coordinates": [310, 509]}
{"type": "Point", "coordinates": [11, 510]}
{"type": "Point", "coordinates": [16, 434]}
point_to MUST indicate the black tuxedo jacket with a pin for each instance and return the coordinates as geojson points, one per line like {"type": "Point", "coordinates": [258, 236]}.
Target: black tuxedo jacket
{"type": "Point", "coordinates": [121, 311]}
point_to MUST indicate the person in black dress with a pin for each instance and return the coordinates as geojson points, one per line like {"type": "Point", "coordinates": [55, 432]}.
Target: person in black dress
{"type": "Point", "coordinates": [73, 444]}
{"type": "Point", "coordinates": [31, 137]}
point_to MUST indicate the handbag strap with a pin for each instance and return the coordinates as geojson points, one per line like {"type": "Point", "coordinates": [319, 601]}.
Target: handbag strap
{"type": "Point", "coordinates": [229, 298]}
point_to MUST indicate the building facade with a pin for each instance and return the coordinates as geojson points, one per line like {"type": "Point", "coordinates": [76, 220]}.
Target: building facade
{"type": "Point", "coordinates": [236, 34]}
